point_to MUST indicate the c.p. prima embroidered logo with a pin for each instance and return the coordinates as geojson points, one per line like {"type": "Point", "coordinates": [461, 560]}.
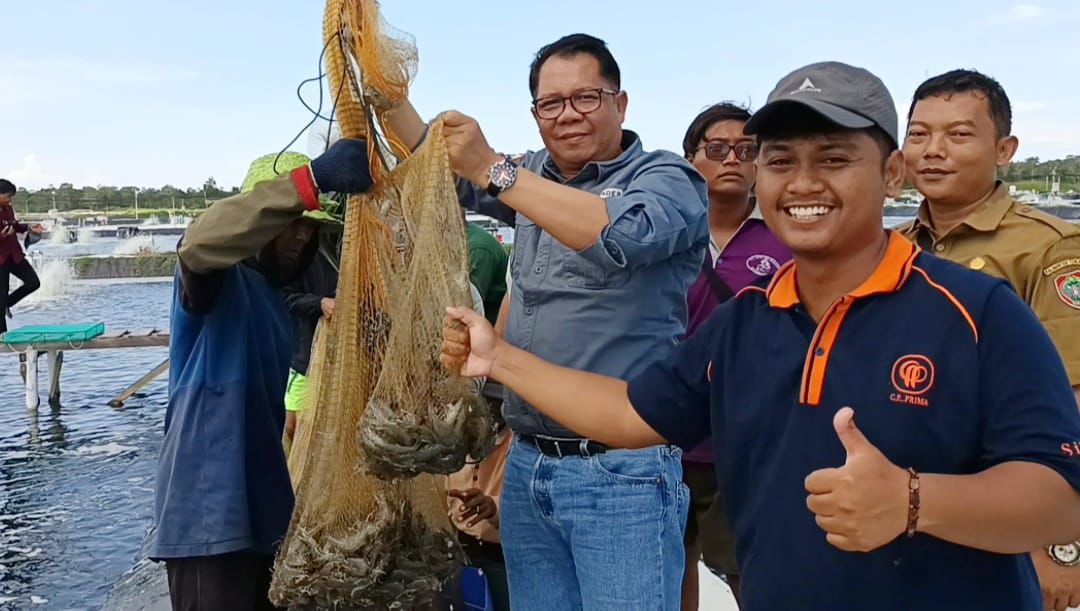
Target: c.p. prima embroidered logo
{"type": "Point", "coordinates": [912, 377]}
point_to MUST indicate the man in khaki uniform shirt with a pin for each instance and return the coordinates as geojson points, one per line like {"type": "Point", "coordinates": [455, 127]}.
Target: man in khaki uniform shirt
{"type": "Point", "coordinates": [959, 134]}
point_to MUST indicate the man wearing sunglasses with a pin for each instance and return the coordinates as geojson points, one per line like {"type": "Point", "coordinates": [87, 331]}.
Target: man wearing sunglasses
{"type": "Point", "coordinates": [742, 250]}
{"type": "Point", "coordinates": [608, 239]}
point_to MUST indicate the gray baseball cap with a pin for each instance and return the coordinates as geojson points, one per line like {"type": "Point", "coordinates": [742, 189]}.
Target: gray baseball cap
{"type": "Point", "coordinates": [845, 95]}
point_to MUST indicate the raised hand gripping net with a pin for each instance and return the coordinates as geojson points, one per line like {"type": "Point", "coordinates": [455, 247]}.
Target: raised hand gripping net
{"type": "Point", "coordinates": [370, 528]}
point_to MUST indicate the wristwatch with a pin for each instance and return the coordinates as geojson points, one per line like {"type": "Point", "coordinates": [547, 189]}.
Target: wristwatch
{"type": "Point", "coordinates": [1067, 554]}
{"type": "Point", "coordinates": [502, 175]}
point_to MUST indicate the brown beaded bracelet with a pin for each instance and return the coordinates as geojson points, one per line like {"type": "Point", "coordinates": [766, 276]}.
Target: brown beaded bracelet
{"type": "Point", "coordinates": [913, 502]}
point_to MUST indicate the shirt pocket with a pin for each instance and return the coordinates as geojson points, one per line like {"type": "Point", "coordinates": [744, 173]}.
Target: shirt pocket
{"type": "Point", "coordinates": [524, 244]}
{"type": "Point", "coordinates": [579, 272]}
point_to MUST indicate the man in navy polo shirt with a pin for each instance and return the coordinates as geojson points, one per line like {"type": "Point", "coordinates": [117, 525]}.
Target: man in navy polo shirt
{"type": "Point", "coordinates": [742, 251]}
{"type": "Point", "coordinates": [965, 453]}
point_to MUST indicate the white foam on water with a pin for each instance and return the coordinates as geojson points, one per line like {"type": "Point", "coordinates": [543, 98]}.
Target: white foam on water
{"type": "Point", "coordinates": [109, 449]}
{"type": "Point", "coordinates": [59, 234]}
{"type": "Point", "coordinates": [56, 277]}
{"type": "Point", "coordinates": [136, 245]}
{"type": "Point", "coordinates": [37, 600]}
{"type": "Point", "coordinates": [7, 599]}
{"type": "Point", "coordinates": [29, 553]}
{"type": "Point", "coordinates": [86, 235]}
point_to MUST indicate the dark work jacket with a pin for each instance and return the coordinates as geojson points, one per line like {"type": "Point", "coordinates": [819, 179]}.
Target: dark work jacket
{"type": "Point", "coordinates": [304, 298]}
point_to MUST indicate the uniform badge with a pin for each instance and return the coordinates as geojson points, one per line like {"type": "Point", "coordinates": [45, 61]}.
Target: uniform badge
{"type": "Point", "coordinates": [762, 265]}
{"type": "Point", "coordinates": [1060, 265]}
{"type": "Point", "coordinates": [1068, 288]}
{"type": "Point", "coordinates": [977, 263]}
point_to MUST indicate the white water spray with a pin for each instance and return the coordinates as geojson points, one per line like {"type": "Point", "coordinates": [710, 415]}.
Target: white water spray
{"type": "Point", "coordinates": [56, 277]}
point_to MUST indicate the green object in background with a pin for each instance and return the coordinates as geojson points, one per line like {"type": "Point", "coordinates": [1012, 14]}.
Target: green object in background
{"type": "Point", "coordinates": [40, 334]}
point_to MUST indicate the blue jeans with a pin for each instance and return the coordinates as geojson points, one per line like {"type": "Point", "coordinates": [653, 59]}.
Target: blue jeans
{"type": "Point", "coordinates": [596, 533]}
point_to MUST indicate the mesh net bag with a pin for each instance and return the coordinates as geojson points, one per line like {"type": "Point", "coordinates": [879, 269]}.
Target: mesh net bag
{"type": "Point", "coordinates": [370, 528]}
{"type": "Point", "coordinates": [420, 418]}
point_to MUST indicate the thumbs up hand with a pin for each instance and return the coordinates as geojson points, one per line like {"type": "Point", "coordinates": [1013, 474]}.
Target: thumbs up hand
{"type": "Point", "coordinates": [862, 505]}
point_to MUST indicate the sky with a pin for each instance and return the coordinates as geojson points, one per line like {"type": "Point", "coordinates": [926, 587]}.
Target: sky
{"type": "Point", "coordinates": [147, 92]}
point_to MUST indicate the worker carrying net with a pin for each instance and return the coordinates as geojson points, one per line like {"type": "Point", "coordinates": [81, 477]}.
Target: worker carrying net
{"type": "Point", "coordinates": [370, 527]}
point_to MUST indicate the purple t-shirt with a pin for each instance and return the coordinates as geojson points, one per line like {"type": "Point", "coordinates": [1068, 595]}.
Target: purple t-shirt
{"type": "Point", "coordinates": [751, 254]}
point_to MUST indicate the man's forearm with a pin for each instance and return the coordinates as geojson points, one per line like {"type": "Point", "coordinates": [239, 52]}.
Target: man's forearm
{"type": "Point", "coordinates": [589, 404]}
{"type": "Point", "coordinates": [237, 227]}
{"type": "Point", "coordinates": [504, 313]}
{"type": "Point", "coordinates": [406, 125]}
{"type": "Point", "coordinates": [1011, 508]}
{"type": "Point", "coordinates": [572, 216]}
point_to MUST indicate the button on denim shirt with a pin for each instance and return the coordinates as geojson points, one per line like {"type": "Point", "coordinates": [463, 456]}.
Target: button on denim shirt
{"type": "Point", "coordinates": [620, 303]}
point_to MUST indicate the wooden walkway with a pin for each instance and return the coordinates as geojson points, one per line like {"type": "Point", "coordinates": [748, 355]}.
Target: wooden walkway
{"type": "Point", "coordinates": [29, 353]}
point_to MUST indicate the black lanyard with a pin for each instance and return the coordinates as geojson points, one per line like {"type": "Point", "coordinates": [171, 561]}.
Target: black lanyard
{"type": "Point", "coordinates": [719, 288]}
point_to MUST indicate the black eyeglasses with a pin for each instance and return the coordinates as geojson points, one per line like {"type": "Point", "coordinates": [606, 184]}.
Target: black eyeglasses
{"type": "Point", "coordinates": [584, 101]}
{"type": "Point", "coordinates": [718, 150]}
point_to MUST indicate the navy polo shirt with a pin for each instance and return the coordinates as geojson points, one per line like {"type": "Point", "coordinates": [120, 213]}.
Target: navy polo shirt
{"type": "Point", "coordinates": [947, 371]}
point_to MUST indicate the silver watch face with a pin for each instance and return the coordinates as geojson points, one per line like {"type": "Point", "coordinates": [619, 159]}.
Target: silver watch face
{"type": "Point", "coordinates": [1068, 554]}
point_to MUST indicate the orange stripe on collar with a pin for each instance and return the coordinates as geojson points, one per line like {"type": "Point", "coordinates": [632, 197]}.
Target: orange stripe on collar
{"type": "Point", "coordinates": [891, 274]}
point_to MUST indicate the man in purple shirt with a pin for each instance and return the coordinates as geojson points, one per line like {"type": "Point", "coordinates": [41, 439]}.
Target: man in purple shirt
{"type": "Point", "coordinates": [741, 251]}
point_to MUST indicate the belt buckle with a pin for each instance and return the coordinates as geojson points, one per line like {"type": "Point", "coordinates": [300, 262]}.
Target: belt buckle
{"type": "Point", "coordinates": [558, 447]}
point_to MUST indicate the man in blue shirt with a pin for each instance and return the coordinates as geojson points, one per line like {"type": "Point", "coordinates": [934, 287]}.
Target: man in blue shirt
{"type": "Point", "coordinates": [965, 455]}
{"type": "Point", "coordinates": [223, 498]}
{"type": "Point", "coordinates": [608, 239]}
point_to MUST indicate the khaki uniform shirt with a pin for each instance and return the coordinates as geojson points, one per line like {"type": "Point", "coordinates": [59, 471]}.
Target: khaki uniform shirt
{"type": "Point", "coordinates": [1038, 253]}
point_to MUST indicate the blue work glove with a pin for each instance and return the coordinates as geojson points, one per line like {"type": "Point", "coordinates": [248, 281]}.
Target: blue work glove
{"type": "Point", "coordinates": [343, 168]}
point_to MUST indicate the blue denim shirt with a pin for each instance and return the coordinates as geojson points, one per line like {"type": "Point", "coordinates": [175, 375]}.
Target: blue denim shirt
{"type": "Point", "coordinates": [620, 303]}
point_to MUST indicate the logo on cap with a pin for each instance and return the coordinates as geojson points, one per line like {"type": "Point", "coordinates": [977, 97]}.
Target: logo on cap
{"type": "Point", "coordinates": [807, 85]}
{"type": "Point", "coordinates": [912, 377]}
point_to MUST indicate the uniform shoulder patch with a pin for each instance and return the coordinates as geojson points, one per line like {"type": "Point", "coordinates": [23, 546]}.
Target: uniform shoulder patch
{"type": "Point", "coordinates": [1068, 288]}
{"type": "Point", "coordinates": [1060, 265]}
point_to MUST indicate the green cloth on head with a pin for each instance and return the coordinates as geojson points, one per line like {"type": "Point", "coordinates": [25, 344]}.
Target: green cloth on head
{"type": "Point", "coordinates": [263, 169]}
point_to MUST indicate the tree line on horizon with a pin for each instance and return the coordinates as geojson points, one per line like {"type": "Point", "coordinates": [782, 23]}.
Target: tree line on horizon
{"type": "Point", "coordinates": [1028, 174]}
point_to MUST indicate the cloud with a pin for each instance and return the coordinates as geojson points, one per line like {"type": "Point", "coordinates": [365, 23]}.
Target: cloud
{"type": "Point", "coordinates": [1045, 137]}
{"type": "Point", "coordinates": [32, 174]}
{"type": "Point", "coordinates": [27, 81]}
{"type": "Point", "coordinates": [81, 70]}
{"type": "Point", "coordinates": [1019, 12]}
{"type": "Point", "coordinates": [1027, 11]}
